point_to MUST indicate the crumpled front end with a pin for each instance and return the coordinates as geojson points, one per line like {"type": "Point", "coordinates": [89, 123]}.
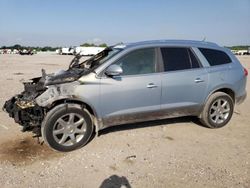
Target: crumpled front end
{"type": "Point", "coordinates": [30, 107]}
{"type": "Point", "coordinates": [24, 109]}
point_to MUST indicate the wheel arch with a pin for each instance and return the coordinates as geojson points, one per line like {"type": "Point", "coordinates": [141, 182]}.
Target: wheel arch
{"type": "Point", "coordinates": [68, 100]}
{"type": "Point", "coordinates": [226, 90]}
{"type": "Point", "coordinates": [96, 120]}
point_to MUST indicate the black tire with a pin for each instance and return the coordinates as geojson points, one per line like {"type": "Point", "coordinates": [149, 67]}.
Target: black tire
{"type": "Point", "coordinates": [207, 116]}
{"type": "Point", "coordinates": [58, 112]}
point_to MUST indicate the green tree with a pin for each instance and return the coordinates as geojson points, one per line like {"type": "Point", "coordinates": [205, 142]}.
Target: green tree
{"type": "Point", "coordinates": [17, 46]}
{"type": "Point", "coordinates": [104, 45]}
{"type": "Point", "coordinates": [87, 44]}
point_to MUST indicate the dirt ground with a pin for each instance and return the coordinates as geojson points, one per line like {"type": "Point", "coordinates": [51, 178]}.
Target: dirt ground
{"type": "Point", "coordinates": [168, 153]}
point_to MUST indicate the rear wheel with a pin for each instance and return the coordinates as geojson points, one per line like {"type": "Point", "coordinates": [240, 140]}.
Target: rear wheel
{"type": "Point", "coordinates": [218, 110]}
{"type": "Point", "coordinates": [67, 127]}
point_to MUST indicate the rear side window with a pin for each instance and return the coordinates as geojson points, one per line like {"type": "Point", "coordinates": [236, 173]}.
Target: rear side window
{"type": "Point", "coordinates": [178, 59]}
{"type": "Point", "coordinates": [215, 57]}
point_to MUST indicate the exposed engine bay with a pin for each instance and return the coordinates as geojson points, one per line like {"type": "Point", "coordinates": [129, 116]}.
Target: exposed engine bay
{"type": "Point", "coordinates": [24, 108]}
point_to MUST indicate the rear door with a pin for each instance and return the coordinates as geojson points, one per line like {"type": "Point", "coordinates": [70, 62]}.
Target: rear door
{"type": "Point", "coordinates": [184, 82]}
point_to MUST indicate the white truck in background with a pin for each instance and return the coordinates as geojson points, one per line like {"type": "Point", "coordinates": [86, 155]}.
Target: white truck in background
{"type": "Point", "coordinates": [88, 51]}
{"type": "Point", "coordinates": [67, 51]}
{"type": "Point", "coordinates": [85, 51]}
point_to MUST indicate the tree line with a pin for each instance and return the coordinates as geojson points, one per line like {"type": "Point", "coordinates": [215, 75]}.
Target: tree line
{"type": "Point", "coordinates": [94, 45]}
{"type": "Point", "coordinates": [47, 48]}
{"type": "Point", "coordinates": [20, 47]}
{"type": "Point", "coordinates": [242, 47]}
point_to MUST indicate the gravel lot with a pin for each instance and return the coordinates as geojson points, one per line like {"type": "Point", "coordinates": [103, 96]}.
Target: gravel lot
{"type": "Point", "coordinates": [168, 153]}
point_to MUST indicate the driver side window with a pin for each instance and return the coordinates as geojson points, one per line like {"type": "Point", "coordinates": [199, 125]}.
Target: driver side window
{"type": "Point", "coordinates": [141, 61]}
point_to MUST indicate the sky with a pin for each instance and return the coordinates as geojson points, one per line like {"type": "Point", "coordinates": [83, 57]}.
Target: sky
{"type": "Point", "coordinates": [73, 22]}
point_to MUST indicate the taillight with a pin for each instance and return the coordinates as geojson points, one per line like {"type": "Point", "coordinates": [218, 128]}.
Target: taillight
{"type": "Point", "coordinates": [245, 72]}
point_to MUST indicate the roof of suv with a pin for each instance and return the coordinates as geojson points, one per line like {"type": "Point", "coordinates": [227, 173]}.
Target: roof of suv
{"type": "Point", "coordinates": [169, 42]}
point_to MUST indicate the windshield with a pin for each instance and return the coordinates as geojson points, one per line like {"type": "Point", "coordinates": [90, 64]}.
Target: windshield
{"type": "Point", "coordinates": [110, 54]}
{"type": "Point", "coordinates": [97, 59]}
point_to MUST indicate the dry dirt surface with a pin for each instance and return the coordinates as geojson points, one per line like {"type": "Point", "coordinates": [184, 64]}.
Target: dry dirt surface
{"type": "Point", "coordinates": [168, 153]}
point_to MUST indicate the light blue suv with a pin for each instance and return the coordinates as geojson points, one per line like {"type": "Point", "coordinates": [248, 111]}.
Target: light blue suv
{"type": "Point", "coordinates": [129, 83]}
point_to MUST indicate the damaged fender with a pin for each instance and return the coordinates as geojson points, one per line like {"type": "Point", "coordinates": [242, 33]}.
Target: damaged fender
{"type": "Point", "coordinates": [55, 93]}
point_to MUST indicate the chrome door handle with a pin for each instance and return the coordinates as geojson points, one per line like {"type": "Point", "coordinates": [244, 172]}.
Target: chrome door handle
{"type": "Point", "coordinates": [151, 85]}
{"type": "Point", "coordinates": [198, 80]}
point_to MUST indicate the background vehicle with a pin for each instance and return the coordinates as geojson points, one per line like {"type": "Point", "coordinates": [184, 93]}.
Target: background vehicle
{"type": "Point", "coordinates": [26, 52]}
{"type": "Point", "coordinates": [88, 51]}
{"type": "Point", "coordinates": [131, 83]}
{"type": "Point", "coordinates": [67, 51]}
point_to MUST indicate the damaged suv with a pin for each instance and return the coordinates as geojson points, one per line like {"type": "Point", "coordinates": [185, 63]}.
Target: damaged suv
{"type": "Point", "coordinates": [129, 83]}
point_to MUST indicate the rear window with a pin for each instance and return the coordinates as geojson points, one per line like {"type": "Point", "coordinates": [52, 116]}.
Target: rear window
{"type": "Point", "coordinates": [215, 57]}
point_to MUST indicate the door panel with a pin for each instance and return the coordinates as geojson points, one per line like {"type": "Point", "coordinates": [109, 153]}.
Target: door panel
{"type": "Point", "coordinates": [128, 98]}
{"type": "Point", "coordinates": [184, 82]}
{"type": "Point", "coordinates": [136, 93]}
{"type": "Point", "coordinates": [183, 92]}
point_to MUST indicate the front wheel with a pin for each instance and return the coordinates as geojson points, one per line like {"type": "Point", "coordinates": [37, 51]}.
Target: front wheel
{"type": "Point", "coordinates": [67, 127]}
{"type": "Point", "coordinates": [218, 110]}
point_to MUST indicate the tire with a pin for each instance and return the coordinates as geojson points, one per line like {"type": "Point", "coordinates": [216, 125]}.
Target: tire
{"type": "Point", "coordinates": [218, 110]}
{"type": "Point", "coordinates": [67, 127]}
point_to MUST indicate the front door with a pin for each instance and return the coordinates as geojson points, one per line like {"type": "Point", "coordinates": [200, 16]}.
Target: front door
{"type": "Point", "coordinates": [136, 93]}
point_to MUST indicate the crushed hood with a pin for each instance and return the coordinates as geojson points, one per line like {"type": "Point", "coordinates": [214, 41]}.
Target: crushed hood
{"type": "Point", "coordinates": [59, 77]}
{"type": "Point", "coordinates": [62, 76]}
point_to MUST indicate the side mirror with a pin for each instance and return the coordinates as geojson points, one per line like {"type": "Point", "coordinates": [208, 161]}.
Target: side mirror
{"type": "Point", "coordinates": [113, 70]}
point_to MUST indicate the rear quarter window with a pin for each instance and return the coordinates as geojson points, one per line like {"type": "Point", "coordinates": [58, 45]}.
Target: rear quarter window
{"type": "Point", "coordinates": [215, 57]}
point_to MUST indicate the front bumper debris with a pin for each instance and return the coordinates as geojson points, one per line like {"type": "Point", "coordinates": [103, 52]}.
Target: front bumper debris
{"type": "Point", "coordinates": [23, 108]}
{"type": "Point", "coordinates": [27, 114]}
